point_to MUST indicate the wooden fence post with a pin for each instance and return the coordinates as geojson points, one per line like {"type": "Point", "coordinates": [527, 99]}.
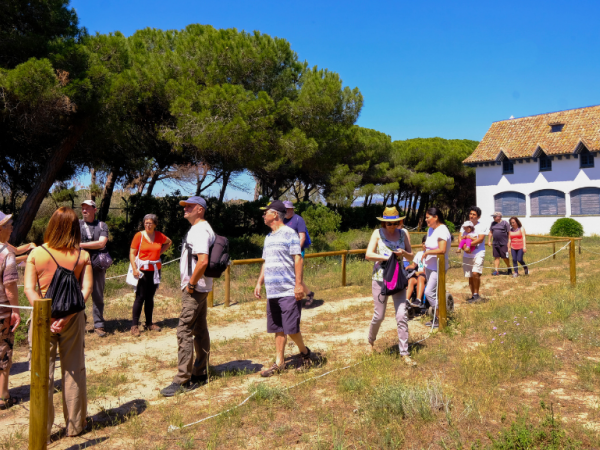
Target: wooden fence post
{"type": "Point", "coordinates": [554, 250]}
{"type": "Point", "coordinates": [344, 257]}
{"type": "Point", "coordinates": [572, 263]}
{"type": "Point", "coordinates": [441, 291]}
{"type": "Point", "coordinates": [227, 285]}
{"type": "Point", "coordinates": [40, 370]}
{"type": "Point", "coordinates": [580, 246]}
{"type": "Point", "coordinates": [211, 299]}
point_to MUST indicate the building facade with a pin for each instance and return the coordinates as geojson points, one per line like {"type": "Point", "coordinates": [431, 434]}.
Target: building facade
{"type": "Point", "coordinates": [541, 168]}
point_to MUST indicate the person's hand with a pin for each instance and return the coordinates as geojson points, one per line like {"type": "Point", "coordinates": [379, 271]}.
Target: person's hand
{"type": "Point", "coordinates": [15, 319]}
{"type": "Point", "coordinates": [299, 292]}
{"type": "Point", "coordinates": [190, 288]}
{"type": "Point", "coordinates": [136, 272]}
{"type": "Point", "coordinates": [399, 253]}
{"type": "Point", "coordinates": [32, 246]}
{"type": "Point", "coordinates": [489, 244]}
{"type": "Point", "coordinates": [257, 290]}
{"type": "Point", "coordinates": [59, 324]}
{"type": "Point", "coordinates": [524, 249]}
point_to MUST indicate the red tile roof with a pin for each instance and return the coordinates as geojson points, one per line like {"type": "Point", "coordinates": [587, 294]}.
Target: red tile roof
{"type": "Point", "coordinates": [519, 138]}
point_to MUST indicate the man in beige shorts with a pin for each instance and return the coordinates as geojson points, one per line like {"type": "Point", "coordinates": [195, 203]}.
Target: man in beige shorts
{"type": "Point", "coordinates": [473, 260]}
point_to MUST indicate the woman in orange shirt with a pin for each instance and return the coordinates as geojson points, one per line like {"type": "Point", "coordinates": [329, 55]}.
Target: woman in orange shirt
{"type": "Point", "coordinates": [144, 255]}
{"type": "Point", "coordinates": [62, 239]}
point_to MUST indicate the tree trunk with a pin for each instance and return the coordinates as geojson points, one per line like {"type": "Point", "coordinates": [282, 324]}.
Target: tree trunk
{"type": "Point", "coordinates": [44, 183]}
{"type": "Point", "coordinates": [307, 189]}
{"type": "Point", "coordinates": [153, 181]}
{"type": "Point", "coordinates": [422, 203]}
{"type": "Point", "coordinates": [93, 174]}
{"type": "Point", "coordinates": [226, 176]}
{"type": "Point", "coordinates": [109, 187]}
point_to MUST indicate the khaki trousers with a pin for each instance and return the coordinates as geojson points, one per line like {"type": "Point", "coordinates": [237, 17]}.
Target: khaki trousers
{"type": "Point", "coordinates": [192, 335]}
{"type": "Point", "coordinates": [69, 345]}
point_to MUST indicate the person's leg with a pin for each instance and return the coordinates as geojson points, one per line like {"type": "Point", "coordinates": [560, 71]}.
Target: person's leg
{"type": "Point", "coordinates": [431, 288]}
{"type": "Point", "coordinates": [421, 282]}
{"type": "Point", "coordinates": [476, 282]}
{"type": "Point", "coordinates": [297, 338]}
{"type": "Point", "coordinates": [7, 340]}
{"type": "Point", "coordinates": [412, 283]}
{"type": "Point", "coordinates": [280, 341]}
{"type": "Point", "coordinates": [496, 263]}
{"type": "Point", "coordinates": [52, 364]}
{"type": "Point", "coordinates": [136, 310]}
{"type": "Point", "coordinates": [150, 291]}
{"type": "Point", "coordinates": [467, 266]}
{"type": "Point", "coordinates": [291, 314]}
{"type": "Point", "coordinates": [185, 338]}
{"type": "Point", "coordinates": [401, 307]}
{"type": "Point", "coordinates": [379, 305]}
{"type": "Point", "coordinates": [201, 336]}
{"type": "Point", "coordinates": [72, 366]}
{"type": "Point", "coordinates": [515, 258]}
{"type": "Point", "coordinates": [98, 298]}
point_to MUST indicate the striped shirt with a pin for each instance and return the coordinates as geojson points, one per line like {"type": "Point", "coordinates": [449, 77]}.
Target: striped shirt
{"type": "Point", "coordinates": [8, 274]}
{"type": "Point", "coordinates": [278, 253]}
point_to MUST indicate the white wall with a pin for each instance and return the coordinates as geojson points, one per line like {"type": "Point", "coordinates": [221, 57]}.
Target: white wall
{"type": "Point", "coordinates": [565, 176]}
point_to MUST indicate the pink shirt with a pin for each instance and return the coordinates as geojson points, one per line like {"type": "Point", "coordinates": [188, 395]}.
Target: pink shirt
{"type": "Point", "coordinates": [516, 239]}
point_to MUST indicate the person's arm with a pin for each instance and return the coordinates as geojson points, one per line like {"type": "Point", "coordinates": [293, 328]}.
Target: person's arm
{"type": "Point", "coordinates": [260, 282]}
{"type": "Point", "coordinates": [166, 245]}
{"type": "Point", "coordinates": [370, 255]}
{"type": "Point", "coordinates": [87, 285]}
{"type": "Point", "coordinates": [12, 293]}
{"type": "Point", "coordinates": [479, 240]}
{"type": "Point", "coordinates": [302, 239]}
{"type": "Point", "coordinates": [95, 245]}
{"type": "Point", "coordinates": [524, 240]}
{"type": "Point", "coordinates": [298, 266]}
{"type": "Point", "coordinates": [442, 245]}
{"type": "Point", "coordinates": [198, 273]}
{"type": "Point", "coordinates": [30, 281]}
{"type": "Point", "coordinates": [132, 256]}
{"type": "Point", "coordinates": [489, 239]}
{"type": "Point", "coordinates": [408, 254]}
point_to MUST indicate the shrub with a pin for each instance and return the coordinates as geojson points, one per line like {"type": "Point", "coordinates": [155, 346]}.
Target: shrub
{"type": "Point", "coordinates": [451, 227]}
{"type": "Point", "coordinates": [339, 244]}
{"type": "Point", "coordinates": [320, 220]}
{"type": "Point", "coordinates": [566, 227]}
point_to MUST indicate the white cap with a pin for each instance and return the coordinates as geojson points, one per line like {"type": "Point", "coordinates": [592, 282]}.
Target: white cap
{"type": "Point", "coordinates": [4, 218]}
{"type": "Point", "coordinates": [468, 223]}
{"type": "Point", "coordinates": [89, 202]}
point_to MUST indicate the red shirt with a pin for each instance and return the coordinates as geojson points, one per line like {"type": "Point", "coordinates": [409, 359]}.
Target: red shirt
{"type": "Point", "coordinates": [149, 251]}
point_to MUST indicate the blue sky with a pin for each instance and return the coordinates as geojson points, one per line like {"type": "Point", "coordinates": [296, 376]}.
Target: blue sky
{"type": "Point", "coordinates": [435, 68]}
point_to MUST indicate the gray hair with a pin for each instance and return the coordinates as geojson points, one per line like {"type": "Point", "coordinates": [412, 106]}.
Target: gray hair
{"type": "Point", "coordinates": [151, 217]}
{"type": "Point", "coordinates": [281, 215]}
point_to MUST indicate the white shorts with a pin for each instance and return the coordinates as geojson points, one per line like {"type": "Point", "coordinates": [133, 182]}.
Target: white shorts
{"type": "Point", "coordinates": [473, 265]}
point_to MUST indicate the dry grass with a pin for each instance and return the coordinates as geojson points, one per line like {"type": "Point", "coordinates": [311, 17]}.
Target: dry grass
{"type": "Point", "coordinates": [473, 382]}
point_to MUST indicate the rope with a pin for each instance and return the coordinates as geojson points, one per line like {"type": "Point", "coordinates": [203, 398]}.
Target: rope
{"type": "Point", "coordinates": [588, 250]}
{"type": "Point", "coordinates": [16, 307]}
{"type": "Point", "coordinates": [528, 264]}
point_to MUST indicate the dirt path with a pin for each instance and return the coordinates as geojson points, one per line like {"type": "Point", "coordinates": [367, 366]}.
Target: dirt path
{"type": "Point", "coordinates": [148, 364]}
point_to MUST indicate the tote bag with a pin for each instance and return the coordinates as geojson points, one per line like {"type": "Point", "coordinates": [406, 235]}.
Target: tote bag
{"type": "Point", "coordinates": [131, 280]}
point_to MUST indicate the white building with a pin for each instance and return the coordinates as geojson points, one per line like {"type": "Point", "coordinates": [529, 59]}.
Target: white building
{"type": "Point", "coordinates": [541, 168]}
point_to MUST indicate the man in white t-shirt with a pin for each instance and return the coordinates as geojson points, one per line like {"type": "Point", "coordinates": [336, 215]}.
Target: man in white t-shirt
{"type": "Point", "coordinates": [192, 329]}
{"type": "Point", "coordinates": [473, 260]}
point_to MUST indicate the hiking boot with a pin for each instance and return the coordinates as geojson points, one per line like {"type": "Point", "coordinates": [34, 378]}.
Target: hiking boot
{"type": "Point", "coordinates": [306, 359]}
{"type": "Point", "coordinates": [135, 331]}
{"type": "Point", "coordinates": [176, 388]}
{"type": "Point", "coordinates": [200, 380]}
{"type": "Point", "coordinates": [526, 269]}
{"type": "Point", "coordinates": [8, 402]}
{"type": "Point", "coordinates": [509, 272]}
{"type": "Point", "coordinates": [436, 324]}
{"type": "Point", "coordinates": [408, 361]}
{"type": "Point", "coordinates": [495, 273]}
{"type": "Point", "coordinates": [100, 332]}
{"type": "Point", "coordinates": [275, 369]}
{"type": "Point", "coordinates": [153, 327]}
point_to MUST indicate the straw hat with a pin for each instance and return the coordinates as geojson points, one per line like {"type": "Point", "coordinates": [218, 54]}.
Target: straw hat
{"type": "Point", "coordinates": [4, 218]}
{"type": "Point", "coordinates": [391, 214]}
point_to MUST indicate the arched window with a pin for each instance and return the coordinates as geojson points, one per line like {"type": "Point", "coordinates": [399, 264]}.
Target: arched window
{"type": "Point", "coordinates": [510, 203]}
{"type": "Point", "coordinates": [548, 202]}
{"type": "Point", "coordinates": [585, 201]}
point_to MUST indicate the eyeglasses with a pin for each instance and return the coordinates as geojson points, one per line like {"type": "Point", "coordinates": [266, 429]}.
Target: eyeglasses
{"type": "Point", "coordinates": [268, 211]}
{"type": "Point", "coordinates": [388, 224]}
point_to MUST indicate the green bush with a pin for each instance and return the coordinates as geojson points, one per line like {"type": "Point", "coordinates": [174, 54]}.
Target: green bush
{"type": "Point", "coordinates": [566, 227]}
{"type": "Point", "coordinates": [339, 244]}
{"type": "Point", "coordinates": [321, 220]}
{"type": "Point", "coordinates": [451, 227]}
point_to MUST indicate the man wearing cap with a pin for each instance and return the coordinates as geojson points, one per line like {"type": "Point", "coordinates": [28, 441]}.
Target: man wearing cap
{"type": "Point", "coordinates": [281, 273]}
{"type": "Point", "coordinates": [192, 329]}
{"type": "Point", "coordinates": [297, 223]}
{"type": "Point", "coordinates": [94, 236]}
{"type": "Point", "coordinates": [499, 230]}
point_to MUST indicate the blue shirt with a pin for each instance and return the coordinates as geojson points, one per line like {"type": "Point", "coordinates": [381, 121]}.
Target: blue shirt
{"type": "Point", "coordinates": [297, 224]}
{"type": "Point", "coordinates": [278, 253]}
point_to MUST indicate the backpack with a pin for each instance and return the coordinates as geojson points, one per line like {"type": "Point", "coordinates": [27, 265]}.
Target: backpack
{"type": "Point", "coordinates": [394, 278]}
{"type": "Point", "coordinates": [218, 257]}
{"type": "Point", "coordinates": [100, 259]}
{"type": "Point", "coordinates": [64, 290]}
{"type": "Point", "coordinates": [307, 242]}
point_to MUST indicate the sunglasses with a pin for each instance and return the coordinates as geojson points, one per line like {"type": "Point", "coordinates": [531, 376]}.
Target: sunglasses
{"type": "Point", "coordinates": [389, 224]}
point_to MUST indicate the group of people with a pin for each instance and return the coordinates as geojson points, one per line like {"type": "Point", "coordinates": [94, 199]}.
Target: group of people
{"type": "Point", "coordinates": [70, 244]}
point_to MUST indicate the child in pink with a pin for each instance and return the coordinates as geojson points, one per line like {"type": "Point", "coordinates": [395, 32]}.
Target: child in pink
{"type": "Point", "coordinates": [467, 237]}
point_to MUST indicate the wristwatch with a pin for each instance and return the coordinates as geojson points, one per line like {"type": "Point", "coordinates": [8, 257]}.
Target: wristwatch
{"type": "Point", "coordinates": [190, 285]}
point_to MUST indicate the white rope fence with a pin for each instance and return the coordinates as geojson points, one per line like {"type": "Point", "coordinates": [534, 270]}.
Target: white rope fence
{"type": "Point", "coordinates": [588, 250]}
{"type": "Point", "coordinates": [528, 264]}
{"type": "Point", "coordinates": [16, 307]}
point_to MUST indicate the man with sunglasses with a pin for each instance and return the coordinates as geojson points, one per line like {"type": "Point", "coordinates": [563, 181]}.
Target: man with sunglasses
{"type": "Point", "coordinates": [281, 273]}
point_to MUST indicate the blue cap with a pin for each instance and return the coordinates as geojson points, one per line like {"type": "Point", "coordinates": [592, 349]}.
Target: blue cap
{"type": "Point", "coordinates": [195, 200]}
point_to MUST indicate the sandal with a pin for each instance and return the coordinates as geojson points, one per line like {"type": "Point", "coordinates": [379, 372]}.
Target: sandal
{"type": "Point", "coordinates": [275, 369]}
{"type": "Point", "coordinates": [8, 402]}
{"type": "Point", "coordinates": [309, 299]}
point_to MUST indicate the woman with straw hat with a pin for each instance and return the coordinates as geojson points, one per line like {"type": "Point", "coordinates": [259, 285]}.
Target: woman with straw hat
{"type": "Point", "coordinates": [390, 239]}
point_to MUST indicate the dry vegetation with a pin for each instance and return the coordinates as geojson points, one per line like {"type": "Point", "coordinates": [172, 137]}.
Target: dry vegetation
{"type": "Point", "coordinates": [521, 370]}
